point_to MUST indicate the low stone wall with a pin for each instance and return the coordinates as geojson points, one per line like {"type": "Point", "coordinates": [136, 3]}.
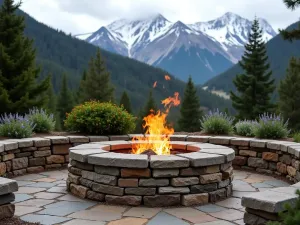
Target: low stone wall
{"type": "Point", "coordinates": [201, 173]}
{"type": "Point", "coordinates": [7, 187]}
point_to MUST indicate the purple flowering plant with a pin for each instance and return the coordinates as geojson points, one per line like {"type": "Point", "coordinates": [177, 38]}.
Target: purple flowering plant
{"type": "Point", "coordinates": [44, 122]}
{"type": "Point", "coordinates": [245, 128]}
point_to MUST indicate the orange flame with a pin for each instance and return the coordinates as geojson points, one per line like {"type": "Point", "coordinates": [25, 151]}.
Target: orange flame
{"type": "Point", "coordinates": [157, 136]}
{"type": "Point", "coordinates": [155, 84]}
{"type": "Point", "coordinates": [167, 77]}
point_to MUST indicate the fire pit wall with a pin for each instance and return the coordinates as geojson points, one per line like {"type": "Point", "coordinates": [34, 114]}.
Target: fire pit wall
{"type": "Point", "coordinates": [203, 174]}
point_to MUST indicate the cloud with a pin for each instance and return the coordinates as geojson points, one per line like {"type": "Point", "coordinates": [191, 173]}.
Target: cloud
{"type": "Point", "coordinates": [79, 16]}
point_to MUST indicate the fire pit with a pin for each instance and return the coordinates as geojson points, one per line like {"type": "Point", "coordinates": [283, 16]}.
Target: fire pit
{"type": "Point", "coordinates": [188, 174]}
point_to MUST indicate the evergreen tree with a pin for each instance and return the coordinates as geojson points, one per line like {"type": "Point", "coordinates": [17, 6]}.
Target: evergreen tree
{"type": "Point", "coordinates": [255, 86]}
{"type": "Point", "coordinates": [295, 33]}
{"type": "Point", "coordinates": [190, 112]}
{"type": "Point", "coordinates": [289, 94]}
{"type": "Point", "coordinates": [51, 103]}
{"type": "Point", "coordinates": [65, 101]}
{"type": "Point", "coordinates": [81, 87]}
{"type": "Point", "coordinates": [125, 101]}
{"type": "Point", "coordinates": [97, 85]}
{"type": "Point", "coordinates": [19, 90]}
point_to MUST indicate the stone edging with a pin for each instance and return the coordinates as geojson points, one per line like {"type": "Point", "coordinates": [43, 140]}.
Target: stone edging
{"type": "Point", "coordinates": [7, 187]}
{"type": "Point", "coordinates": [202, 173]}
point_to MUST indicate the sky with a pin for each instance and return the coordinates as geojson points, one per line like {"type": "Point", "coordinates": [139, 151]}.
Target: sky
{"type": "Point", "coordinates": [83, 16]}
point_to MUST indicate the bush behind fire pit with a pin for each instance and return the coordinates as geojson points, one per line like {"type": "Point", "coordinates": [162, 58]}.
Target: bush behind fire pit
{"type": "Point", "coordinates": [100, 118]}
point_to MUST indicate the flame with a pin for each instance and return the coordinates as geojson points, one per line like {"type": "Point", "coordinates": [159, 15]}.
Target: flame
{"type": "Point", "coordinates": [155, 84]}
{"type": "Point", "coordinates": [167, 77]}
{"type": "Point", "coordinates": [157, 136]}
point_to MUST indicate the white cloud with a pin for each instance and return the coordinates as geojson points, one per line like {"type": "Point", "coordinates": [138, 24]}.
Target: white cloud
{"type": "Point", "coordinates": [80, 16]}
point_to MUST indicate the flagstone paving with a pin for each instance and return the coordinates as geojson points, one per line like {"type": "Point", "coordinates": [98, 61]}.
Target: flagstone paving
{"type": "Point", "coordinates": [43, 198]}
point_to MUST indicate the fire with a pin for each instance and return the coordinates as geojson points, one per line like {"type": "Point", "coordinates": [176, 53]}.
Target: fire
{"type": "Point", "coordinates": [167, 77]}
{"type": "Point", "coordinates": [157, 136]}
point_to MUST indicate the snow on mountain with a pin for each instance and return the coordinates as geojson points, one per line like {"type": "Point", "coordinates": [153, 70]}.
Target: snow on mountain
{"type": "Point", "coordinates": [212, 46]}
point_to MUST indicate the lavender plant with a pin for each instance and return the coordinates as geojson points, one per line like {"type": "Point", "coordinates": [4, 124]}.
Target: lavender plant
{"type": "Point", "coordinates": [16, 126]}
{"type": "Point", "coordinates": [44, 122]}
{"type": "Point", "coordinates": [245, 128]}
{"type": "Point", "coordinates": [271, 126]}
{"type": "Point", "coordinates": [216, 122]}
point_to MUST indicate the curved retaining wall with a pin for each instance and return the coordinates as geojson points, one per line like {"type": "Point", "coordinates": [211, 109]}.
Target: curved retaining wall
{"type": "Point", "coordinates": [201, 173]}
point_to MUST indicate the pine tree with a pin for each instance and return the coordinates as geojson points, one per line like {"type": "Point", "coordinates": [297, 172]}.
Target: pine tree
{"type": "Point", "coordinates": [190, 112]}
{"type": "Point", "coordinates": [125, 101]}
{"type": "Point", "coordinates": [65, 101]}
{"type": "Point", "coordinates": [80, 91]}
{"type": "Point", "coordinates": [289, 94]}
{"type": "Point", "coordinates": [97, 85]}
{"type": "Point", "coordinates": [51, 103]}
{"type": "Point", "coordinates": [255, 86]}
{"type": "Point", "coordinates": [295, 33]}
{"type": "Point", "coordinates": [19, 90]}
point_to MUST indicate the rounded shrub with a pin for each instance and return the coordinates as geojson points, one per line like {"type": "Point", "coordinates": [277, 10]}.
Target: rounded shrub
{"type": "Point", "coordinates": [16, 126]}
{"type": "Point", "coordinates": [296, 137]}
{"type": "Point", "coordinates": [216, 122]}
{"type": "Point", "coordinates": [44, 122]}
{"type": "Point", "coordinates": [245, 128]}
{"type": "Point", "coordinates": [271, 126]}
{"type": "Point", "coordinates": [100, 118]}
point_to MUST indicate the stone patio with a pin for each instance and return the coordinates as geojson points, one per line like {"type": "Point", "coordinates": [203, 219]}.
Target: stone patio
{"type": "Point", "coordinates": [43, 198]}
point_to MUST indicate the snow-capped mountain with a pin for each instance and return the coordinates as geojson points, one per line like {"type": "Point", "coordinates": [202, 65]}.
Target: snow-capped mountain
{"type": "Point", "coordinates": [202, 50]}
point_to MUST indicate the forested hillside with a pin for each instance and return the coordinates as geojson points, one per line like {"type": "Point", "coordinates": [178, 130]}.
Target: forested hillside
{"type": "Point", "coordinates": [279, 53]}
{"type": "Point", "coordinates": [58, 53]}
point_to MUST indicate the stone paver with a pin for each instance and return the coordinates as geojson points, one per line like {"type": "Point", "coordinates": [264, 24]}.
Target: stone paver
{"type": "Point", "coordinates": [43, 198]}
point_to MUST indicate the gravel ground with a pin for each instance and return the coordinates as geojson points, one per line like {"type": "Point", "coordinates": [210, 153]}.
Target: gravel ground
{"type": "Point", "coordinates": [16, 221]}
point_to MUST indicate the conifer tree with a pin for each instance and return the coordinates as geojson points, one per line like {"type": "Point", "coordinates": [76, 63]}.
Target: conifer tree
{"type": "Point", "coordinates": [19, 90]}
{"type": "Point", "coordinates": [190, 112]}
{"type": "Point", "coordinates": [295, 33]}
{"type": "Point", "coordinates": [255, 86]}
{"type": "Point", "coordinates": [81, 87]}
{"type": "Point", "coordinates": [289, 94]}
{"type": "Point", "coordinates": [65, 101]}
{"type": "Point", "coordinates": [97, 85]}
{"type": "Point", "coordinates": [51, 103]}
{"type": "Point", "coordinates": [125, 101]}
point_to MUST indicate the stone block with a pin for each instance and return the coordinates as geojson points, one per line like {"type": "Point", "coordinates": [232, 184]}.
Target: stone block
{"type": "Point", "coordinates": [78, 190]}
{"type": "Point", "coordinates": [37, 162]}
{"type": "Point", "coordinates": [168, 161]}
{"type": "Point", "coordinates": [118, 137]}
{"type": "Point", "coordinates": [270, 156]}
{"type": "Point", "coordinates": [29, 149]}
{"type": "Point", "coordinates": [61, 149]}
{"type": "Point", "coordinates": [286, 159]}
{"type": "Point", "coordinates": [228, 153]}
{"type": "Point", "coordinates": [247, 153]}
{"type": "Point", "coordinates": [81, 155]}
{"type": "Point", "coordinates": [67, 158]}
{"type": "Point", "coordinates": [204, 188]}
{"type": "Point", "coordinates": [192, 171]}
{"type": "Point", "coordinates": [162, 173]}
{"type": "Point", "coordinates": [194, 199]}
{"type": "Point", "coordinates": [203, 139]}
{"type": "Point", "coordinates": [22, 154]}
{"type": "Point", "coordinates": [153, 182]}
{"type": "Point", "coordinates": [223, 183]}
{"type": "Point", "coordinates": [240, 141]}
{"type": "Point", "coordinates": [83, 166]}
{"type": "Point", "coordinates": [227, 173]}
{"type": "Point", "coordinates": [258, 143]}
{"type": "Point", "coordinates": [184, 181]}
{"type": "Point", "coordinates": [119, 160]}
{"type": "Point", "coordinates": [74, 170]}
{"type": "Point", "coordinates": [107, 189]}
{"type": "Point", "coordinates": [19, 163]}
{"type": "Point", "coordinates": [35, 169]}
{"type": "Point", "coordinates": [257, 163]}
{"type": "Point", "coordinates": [7, 157]}
{"type": "Point", "coordinates": [98, 138]}
{"type": "Point", "coordinates": [114, 171]}
{"type": "Point", "coordinates": [6, 199]}
{"type": "Point", "coordinates": [272, 165]}
{"type": "Point", "coordinates": [225, 166]}
{"type": "Point", "coordinates": [58, 140]}
{"type": "Point", "coordinates": [217, 195]}
{"type": "Point", "coordinates": [8, 166]}
{"type": "Point", "coordinates": [44, 148]}
{"type": "Point", "coordinates": [124, 200]}
{"type": "Point", "coordinates": [210, 178]}
{"type": "Point", "coordinates": [220, 140]}
{"type": "Point", "coordinates": [239, 161]}
{"type": "Point", "coordinates": [130, 182]}
{"type": "Point", "coordinates": [10, 145]}
{"type": "Point", "coordinates": [173, 190]}
{"type": "Point", "coordinates": [252, 219]}
{"type": "Point", "coordinates": [229, 190]}
{"type": "Point", "coordinates": [55, 159]}
{"type": "Point", "coordinates": [7, 211]}
{"type": "Point", "coordinates": [264, 171]}
{"type": "Point", "coordinates": [7, 186]}
{"type": "Point", "coordinates": [2, 168]}
{"type": "Point", "coordinates": [198, 159]}
{"type": "Point", "coordinates": [291, 171]}
{"type": "Point", "coordinates": [263, 214]}
{"type": "Point", "coordinates": [73, 178]}
{"type": "Point", "coordinates": [95, 196]}
{"type": "Point", "coordinates": [78, 139]}
{"type": "Point", "coordinates": [53, 166]}
{"type": "Point", "coordinates": [86, 182]}
{"type": "Point", "coordinates": [140, 191]}
{"type": "Point", "coordinates": [20, 172]}
{"type": "Point", "coordinates": [133, 173]}
{"type": "Point", "coordinates": [281, 168]}
{"type": "Point", "coordinates": [161, 200]}
{"type": "Point", "coordinates": [1, 147]}
{"type": "Point", "coordinates": [45, 153]}
{"type": "Point", "coordinates": [295, 164]}
{"type": "Point", "coordinates": [105, 179]}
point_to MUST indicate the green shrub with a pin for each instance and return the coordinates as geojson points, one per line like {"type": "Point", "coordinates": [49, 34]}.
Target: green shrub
{"type": "Point", "coordinates": [296, 137]}
{"type": "Point", "coordinates": [271, 126]}
{"type": "Point", "coordinates": [16, 126]}
{"type": "Point", "coordinates": [44, 123]}
{"type": "Point", "coordinates": [245, 128]}
{"type": "Point", "coordinates": [216, 122]}
{"type": "Point", "coordinates": [100, 118]}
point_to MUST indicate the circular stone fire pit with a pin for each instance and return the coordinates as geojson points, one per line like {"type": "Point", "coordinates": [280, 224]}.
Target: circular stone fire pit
{"type": "Point", "coordinates": [194, 174]}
